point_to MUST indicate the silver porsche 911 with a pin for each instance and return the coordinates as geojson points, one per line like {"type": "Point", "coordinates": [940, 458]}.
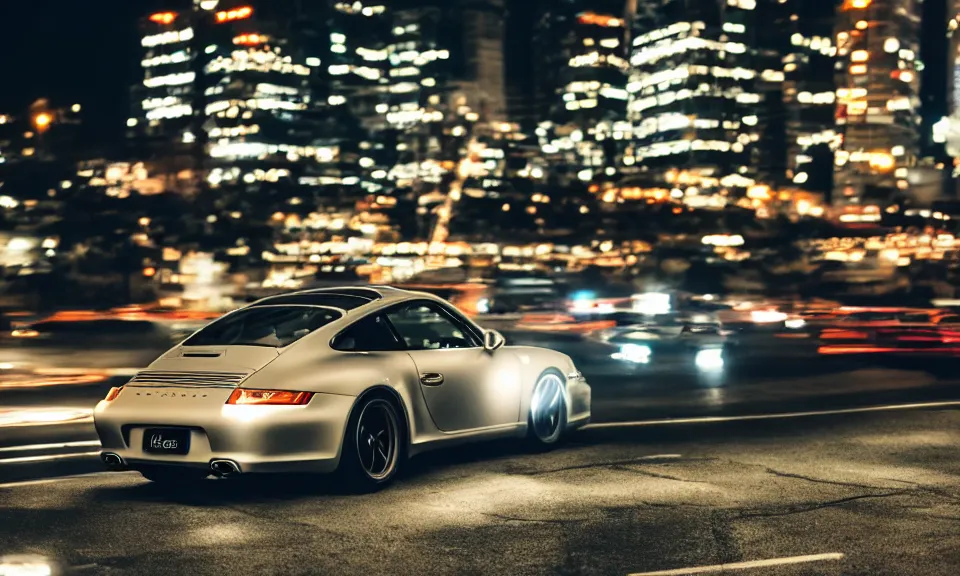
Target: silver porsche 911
{"type": "Point", "coordinates": [352, 380]}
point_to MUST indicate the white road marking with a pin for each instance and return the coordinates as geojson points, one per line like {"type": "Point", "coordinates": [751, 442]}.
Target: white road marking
{"type": "Point", "coordinates": [39, 447]}
{"type": "Point", "coordinates": [48, 458]}
{"type": "Point", "coordinates": [775, 416]}
{"type": "Point", "coordinates": [661, 456]}
{"type": "Point", "coordinates": [718, 568]}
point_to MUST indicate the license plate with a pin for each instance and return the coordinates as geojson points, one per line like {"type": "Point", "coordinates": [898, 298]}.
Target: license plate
{"type": "Point", "coordinates": [166, 440]}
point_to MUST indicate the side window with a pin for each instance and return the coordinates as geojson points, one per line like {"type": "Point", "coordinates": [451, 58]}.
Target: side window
{"type": "Point", "coordinates": [372, 334]}
{"type": "Point", "coordinates": [425, 327]}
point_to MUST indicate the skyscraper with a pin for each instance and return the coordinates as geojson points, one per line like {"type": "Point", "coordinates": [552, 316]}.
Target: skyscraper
{"type": "Point", "coordinates": [445, 75]}
{"type": "Point", "coordinates": [877, 98]}
{"type": "Point", "coordinates": [806, 30]}
{"type": "Point", "coordinates": [164, 105]}
{"type": "Point", "coordinates": [951, 128]}
{"type": "Point", "coordinates": [695, 94]}
{"type": "Point", "coordinates": [581, 79]}
{"type": "Point", "coordinates": [247, 89]}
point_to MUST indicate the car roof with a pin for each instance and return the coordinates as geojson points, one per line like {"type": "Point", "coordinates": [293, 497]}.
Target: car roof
{"type": "Point", "coordinates": [344, 299]}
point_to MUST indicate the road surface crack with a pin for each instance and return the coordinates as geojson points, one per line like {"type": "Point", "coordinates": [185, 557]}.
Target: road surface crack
{"type": "Point", "coordinates": [611, 464]}
{"type": "Point", "coordinates": [928, 489]}
{"type": "Point", "coordinates": [674, 504]}
{"type": "Point", "coordinates": [641, 472]}
{"type": "Point", "coordinates": [825, 481]}
{"type": "Point", "coordinates": [811, 507]}
{"type": "Point", "coordinates": [507, 518]}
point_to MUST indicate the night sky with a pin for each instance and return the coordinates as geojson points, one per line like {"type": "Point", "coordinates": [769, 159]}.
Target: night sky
{"type": "Point", "coordinates": [79, 51]}
{"type": "Point", "coordinates": [86, 51]}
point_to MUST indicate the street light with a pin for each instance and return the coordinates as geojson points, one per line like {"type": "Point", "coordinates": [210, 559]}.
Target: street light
{"type": "Point", "coordinates": [42, 121]}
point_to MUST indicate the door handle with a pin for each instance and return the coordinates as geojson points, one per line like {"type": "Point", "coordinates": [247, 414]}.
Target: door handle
{"type": "Point", "coordinates": [431, 379]}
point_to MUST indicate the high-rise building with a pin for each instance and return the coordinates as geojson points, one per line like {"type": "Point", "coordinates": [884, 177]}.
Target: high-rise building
{"type": "Point", "coordinates": [808, 51]}
{"type": "Point", "coordinates": [445, 75]}
{"type": "Point", "coordinates": [164, 104]}
{"type": "Point", "coordinates": [949, 131]}
{"type": "Point", "coordinates": [695, 94]}
{"type": "Point", "coordinates": [357, 62]}
{"type": "Point", "coordinates": [878, 101]}
{"type": "Point", "coordinates": [257, 92]}
{"type": "Point", "coordinates": [269, 117]}
{"type": "Point", "coordinates": [580, 49]}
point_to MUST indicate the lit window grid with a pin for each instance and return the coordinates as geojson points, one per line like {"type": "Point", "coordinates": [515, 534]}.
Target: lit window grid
{"type": "Point", "coordinates": [672, 83]}
{"type": "Point", "coordinates": [876, 108]}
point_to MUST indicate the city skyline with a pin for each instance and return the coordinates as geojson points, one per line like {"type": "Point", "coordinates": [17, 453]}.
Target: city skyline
{"type": "Point", "coordinates": [71, 52]}
{"type": "Point", "coordinates": [638, 100]}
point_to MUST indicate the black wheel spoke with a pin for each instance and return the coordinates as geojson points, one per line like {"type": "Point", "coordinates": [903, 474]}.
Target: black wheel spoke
{"type": "Point", "coordinates": [548, 405]}
{"type": "Point", "coordinates": [376, 439]}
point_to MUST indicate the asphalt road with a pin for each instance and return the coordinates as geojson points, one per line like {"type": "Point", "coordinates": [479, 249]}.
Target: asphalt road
{"type": "Point", "coordinates": [871, 494]}
{"type": "Point", "coordinates": [46, 427]}
{"type": "Point", "coordinates": [767, 462]}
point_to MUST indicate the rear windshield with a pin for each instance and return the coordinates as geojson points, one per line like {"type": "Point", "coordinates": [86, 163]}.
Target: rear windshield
{"type": "Point", "coordinates": [271, 326]}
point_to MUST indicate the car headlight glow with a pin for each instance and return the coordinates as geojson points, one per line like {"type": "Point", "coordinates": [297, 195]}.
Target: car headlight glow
{"type": "Point", "coordinates": [636, 353]}
{"type": "Point", "coordinates": [483, 306]}
{"type": "Point", "coordinates": [709, 359]}
{"type": "Point", "coordinates": [794, 323]}
{"type": "Point", "coordinates": [767, 316]}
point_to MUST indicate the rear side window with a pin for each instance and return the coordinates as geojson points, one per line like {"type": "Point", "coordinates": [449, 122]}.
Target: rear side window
{"type": "Point", "coordinates": [425, 326]}
{"type": "Point", "coordinates": [270, 326]}
{"type": "Point", "coordinates": [371, 334]}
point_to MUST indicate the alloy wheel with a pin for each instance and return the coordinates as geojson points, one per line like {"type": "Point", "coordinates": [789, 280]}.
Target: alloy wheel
{"type": "Point", "coordinates": [546, 408]}
{"type": "Point", "coordinates": [377, 439]}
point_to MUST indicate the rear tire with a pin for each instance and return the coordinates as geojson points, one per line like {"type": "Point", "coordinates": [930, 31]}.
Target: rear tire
{"type": "Point", "coordinates": [548, 412]}
{"type": "Point", "coordinates": [373, 446]}
{"type": "Point", "coordinates": [173, 475]}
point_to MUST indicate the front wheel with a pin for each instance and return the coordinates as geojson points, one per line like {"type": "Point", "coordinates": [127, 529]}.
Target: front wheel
{"type": "Point", "coordinates": [548, 411]}
{"type": "Point", "coordinates": [371, 451]}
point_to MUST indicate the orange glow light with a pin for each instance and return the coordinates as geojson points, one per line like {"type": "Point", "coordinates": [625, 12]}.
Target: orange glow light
{"type": "Point", "coordinates": [269, 397]}
{"type": "Point", "coordinates": [163, 17]}
{"type": "Point", "coordinates": [855, 5]}
{"type": "Point", "coordinates": [249, 39]}
{"type": "Point", "coordinates": [149, 272]}
{"type": "Point", "coordinates": [600, 20]}
{"type": "Point", "coordinates": [236, 14]}
{"type": "Point", "coordinates": [43, 120]}
{"type": "Point", "coordinates": [882, 162]}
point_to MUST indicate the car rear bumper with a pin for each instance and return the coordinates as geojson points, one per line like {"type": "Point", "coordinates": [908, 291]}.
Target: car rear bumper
{"type": "Point", "coordinates": [257, 438]}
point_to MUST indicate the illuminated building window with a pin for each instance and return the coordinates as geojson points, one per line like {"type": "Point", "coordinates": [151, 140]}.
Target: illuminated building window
{"type": "Point", "coordinates": [163, 17]}
{"type": "Point", "coordinates": [240, 13]}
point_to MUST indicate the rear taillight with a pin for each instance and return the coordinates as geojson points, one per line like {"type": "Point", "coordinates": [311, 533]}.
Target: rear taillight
{"type": "Point", "coordinates": [269, 397]}
{"type": "Point", "coordinates": [113, 393]}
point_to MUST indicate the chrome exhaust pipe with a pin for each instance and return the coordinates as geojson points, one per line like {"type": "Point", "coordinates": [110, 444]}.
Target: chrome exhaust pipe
{"type": "Point", "coordinates": [113, 461]}
{"type": "Point", "coordinates": [224, 468]}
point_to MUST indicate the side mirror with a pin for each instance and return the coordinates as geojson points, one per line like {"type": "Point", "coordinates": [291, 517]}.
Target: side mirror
{"type": "Point", "coordinates": [492, 340]}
